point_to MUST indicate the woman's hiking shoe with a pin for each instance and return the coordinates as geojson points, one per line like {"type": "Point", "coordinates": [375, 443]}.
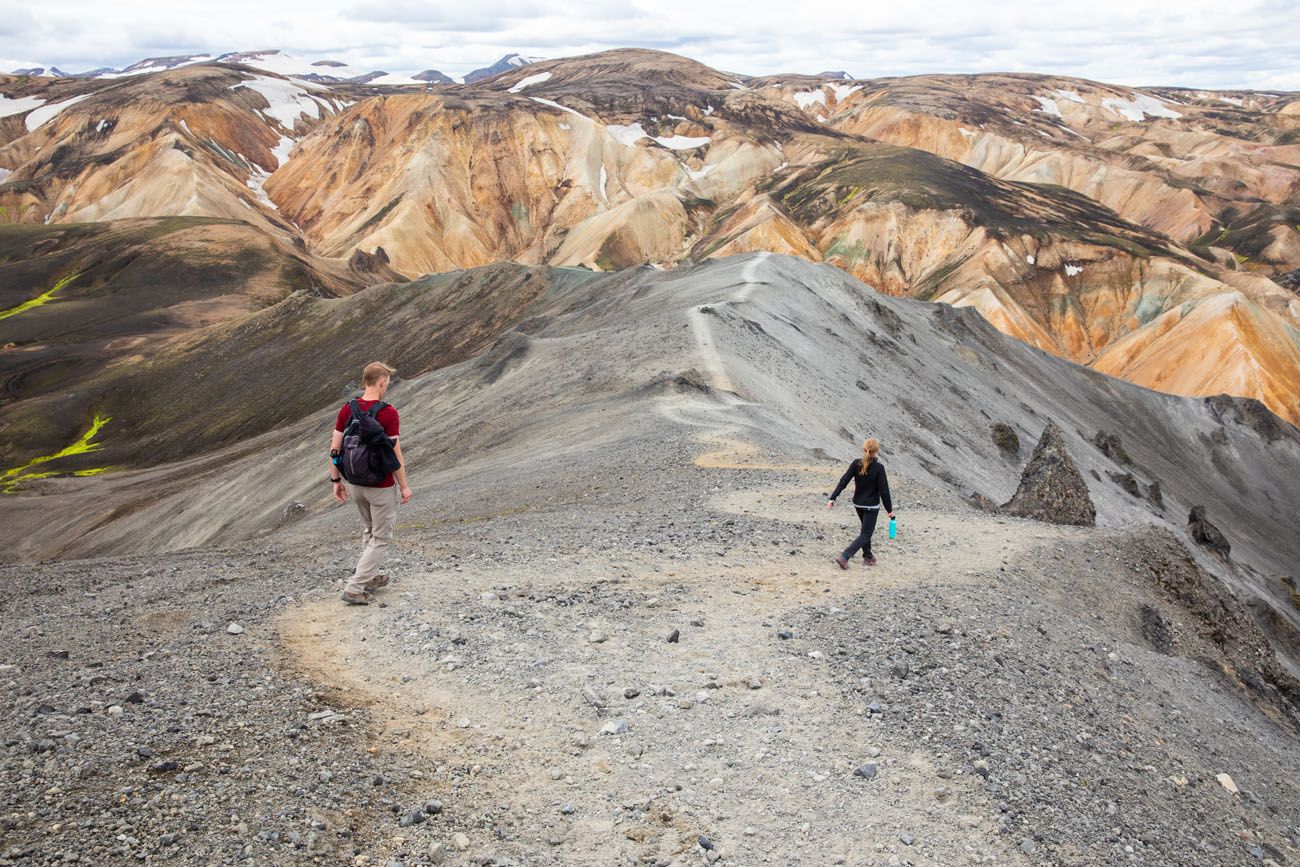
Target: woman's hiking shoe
{"type": "Point", "coordinates": [377, 582]}
{"type": "Point", "coordinates": [868, 561]}
{"type": "Point", "coordinates": [357, 598]}
{"type": "Point", "coordinates": [841, 562]}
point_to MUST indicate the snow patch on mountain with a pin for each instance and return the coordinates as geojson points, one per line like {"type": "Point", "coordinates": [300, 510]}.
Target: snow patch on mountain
{"type": "Point", "coordinates": [281, 150]}
{"type": "Point", "coordinates": [530, 80]}
{"type": "Point", "coordinates": [47, 113]}
{"type": "Point", "coordinates": [19, 104]}
{"type": "Point", "coordinates": [287, 99]}
{"type": "Point", "coordinates": [844, 91]}
{"type": "Point", "coordinates": [554, 104]}
{"type": "Point", "coordinates": [627, 135]}
{"type": "Point", "coordinates": [1139, 107]}
{"type": "Point", "coordinates": [257, 179]}
{"type": "Point", "coordinates": [805, 98]}
{"type": "Point", "coordinates": [1048, 106]}
{"type": "Point", "coordinates": [683, 142]}
{"type": "Point", "coordinates": [1070, 96]}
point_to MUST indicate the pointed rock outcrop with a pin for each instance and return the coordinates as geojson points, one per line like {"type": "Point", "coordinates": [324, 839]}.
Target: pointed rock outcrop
{"type": "Point", "coordinates": [1051, 488]}
{"type": "Point", "coordinates": [1206, 534]}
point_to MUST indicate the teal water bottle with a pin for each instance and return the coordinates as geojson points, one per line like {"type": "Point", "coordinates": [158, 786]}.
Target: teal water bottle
{"type": "Point", "coordinates": [893, 528]}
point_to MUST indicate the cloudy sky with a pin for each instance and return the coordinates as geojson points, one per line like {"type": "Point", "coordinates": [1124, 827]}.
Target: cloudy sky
{"type": "Point", "coordinates": [1195, 43]}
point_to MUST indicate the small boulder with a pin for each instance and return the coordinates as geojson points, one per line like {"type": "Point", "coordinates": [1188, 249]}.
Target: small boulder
{"type": "Point", "coordinates": [1156, 496]}
{"type": "Point", "coordinates": [1128, 482]}
{"type": "Point", "coordinates": [1006, 439]}
{"type": "Point", "coordinates": [1206, 534]}
{"type": "Point", "coordinates": [1051, 488]}
{"type": "Point", "coordinates": [293, 511]}
{"type": "Point", "coordinates": [1110, 446]}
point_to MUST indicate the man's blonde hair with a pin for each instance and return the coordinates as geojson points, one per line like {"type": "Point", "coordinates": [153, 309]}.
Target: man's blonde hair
{"type": "Point", "coordinates": [375, 371]}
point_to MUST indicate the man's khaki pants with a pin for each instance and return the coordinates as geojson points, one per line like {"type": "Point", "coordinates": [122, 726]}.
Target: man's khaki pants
{"type": "Point", "coordinates": [378, 508]}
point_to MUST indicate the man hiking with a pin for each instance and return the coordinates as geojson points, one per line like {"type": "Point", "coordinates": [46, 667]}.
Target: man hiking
{"type": "Point", "coordinates": [870, 489]}
{"type": "Point", "coordinates": [376, 502]}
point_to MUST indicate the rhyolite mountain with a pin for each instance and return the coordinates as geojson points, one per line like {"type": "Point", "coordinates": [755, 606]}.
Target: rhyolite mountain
{"type": "Point", "coordinates": [1144, 233]}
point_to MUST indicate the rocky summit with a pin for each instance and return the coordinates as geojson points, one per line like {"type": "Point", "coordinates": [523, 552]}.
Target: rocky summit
{"type": "Point", "coordinates": [643, 314]}
{"type": "Point", "coordinates": [1051, 488]}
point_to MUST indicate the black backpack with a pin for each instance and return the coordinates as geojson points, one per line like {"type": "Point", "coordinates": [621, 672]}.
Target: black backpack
{"type": "Point", "coordinates": [368, 455]}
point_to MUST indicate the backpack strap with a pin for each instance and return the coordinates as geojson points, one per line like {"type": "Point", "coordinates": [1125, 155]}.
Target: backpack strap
{"type": "Point", "coordinates": [354, 407]}
{"type": "Point", "coordinates": [377, 409]}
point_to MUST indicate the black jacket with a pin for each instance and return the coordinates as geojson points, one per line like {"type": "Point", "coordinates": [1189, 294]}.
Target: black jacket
{"type": "Point", "coordinates": [869, 489]}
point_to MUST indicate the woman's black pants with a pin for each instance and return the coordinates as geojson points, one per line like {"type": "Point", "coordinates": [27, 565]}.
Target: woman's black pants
{"type": "Point", "coordinates": [863, 542]}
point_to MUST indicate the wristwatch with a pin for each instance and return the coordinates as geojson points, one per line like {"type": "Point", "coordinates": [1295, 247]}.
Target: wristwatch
{"type": "Point", "coordinates": [336, 481]}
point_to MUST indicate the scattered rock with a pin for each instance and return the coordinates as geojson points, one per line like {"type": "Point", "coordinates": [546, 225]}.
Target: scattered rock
{"type": "Point", "coordinates": [1051, 488]}
{"type": "Point", "coordinates": [981, 502]}
{"type": "Point", "coordinates": [1228, 783]}
{"type": "Point", "coordinates": [1206, 534]}
{"type": "Point", "coordinates": [1128, 482]}
{"type": "Point", "coordinates": [460, 841]}
{"type": "Point", "coordinates": [1006, 439]}
{"type": "Point", "coordinates": [614, 727]}
{"type": "Point", "coordinates": [597, 637]}
{"type": "Point", "coordinates": [412, 817]}
{"type": "Point", "coordinates": [674, 636]}
{"type": "Point", "coordinates": [866, 771]}
{"type": "Point", "coordinates": [1110, 446]}
{"type": "Point", "coordinates": [1155, 629]}
{"type": "Point", "coordinates": [631, 692]}
{"type": "Point", "coordinates": [901, 669]}
{"type": "Point", "coordinates": [1156, 496]}
{"type": "Point", "coordinates": [234, 628]}
{"type": "Point", "coordinates": [293, 511]}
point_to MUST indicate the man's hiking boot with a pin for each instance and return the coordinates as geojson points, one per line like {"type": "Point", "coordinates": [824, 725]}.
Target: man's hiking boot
{"type": "Point", "coordinates": [841, 562]}
{"type": "Point", "coordinates": [377, 582]}
{"type": "Point", "coordinates": [357, 598]}
{"type": "Point", "coordinates": [868, 561]}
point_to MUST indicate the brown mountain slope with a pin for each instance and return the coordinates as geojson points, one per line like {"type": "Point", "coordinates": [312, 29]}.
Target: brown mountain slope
{"type": "Point", "coordinates": [85, 308]}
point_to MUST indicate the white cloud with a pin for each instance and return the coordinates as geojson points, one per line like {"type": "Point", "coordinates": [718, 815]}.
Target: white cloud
{"type": "Point", "coordinates": [1247, 44]}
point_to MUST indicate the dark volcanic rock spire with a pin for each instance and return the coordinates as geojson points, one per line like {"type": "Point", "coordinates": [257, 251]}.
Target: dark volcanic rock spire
{"type": "Point", "coordinates": [1051, 488]}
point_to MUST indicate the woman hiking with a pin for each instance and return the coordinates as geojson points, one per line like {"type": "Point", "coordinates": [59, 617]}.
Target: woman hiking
{"type": "Point", "coordinates": [870, 489]}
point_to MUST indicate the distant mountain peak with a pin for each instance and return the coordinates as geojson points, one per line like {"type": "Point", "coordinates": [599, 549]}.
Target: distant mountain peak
{"type": "Point", "coordinates": [505, 64]}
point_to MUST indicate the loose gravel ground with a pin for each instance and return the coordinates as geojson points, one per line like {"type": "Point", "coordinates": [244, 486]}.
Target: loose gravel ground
{"type": "Point", "coordinates": [575, 676]}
